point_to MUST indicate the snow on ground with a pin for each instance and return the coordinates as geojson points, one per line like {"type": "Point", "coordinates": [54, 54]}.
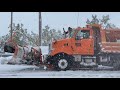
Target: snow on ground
{"type": "Point", "coordinates": [13, 68]}
{"type": "Point", "coordinates": [29, 71]}
{"type": "Point", "coordinates": [44, 49]}
{"type": "Point", "coordinates": [61, 74]}
{"type": "Point", "coordinates": [4, 60]}
{"type": "Point", "coordinates": [71, 74]}
{"type": "Point", "coordinates": [5, 68]}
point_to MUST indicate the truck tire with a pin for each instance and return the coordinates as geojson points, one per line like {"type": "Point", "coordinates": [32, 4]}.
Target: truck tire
{"type": "Point", "coordinates": [62, 62]}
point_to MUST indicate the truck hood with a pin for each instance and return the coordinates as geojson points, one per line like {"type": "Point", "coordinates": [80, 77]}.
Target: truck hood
{"type": "Point", "coordinates": [61, 43]}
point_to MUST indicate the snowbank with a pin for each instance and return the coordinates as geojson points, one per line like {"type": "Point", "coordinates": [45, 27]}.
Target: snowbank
{"type": "Point", "coordinates": [61, 74]}
{"type": "Point", "coordinates": [5, 60]}
{"type": "Point", "coordinates": [13, 68]}
{"type": "Point", "coordinates": [44, 49]}
{"type": "Point", "coordinates": [4, 67]}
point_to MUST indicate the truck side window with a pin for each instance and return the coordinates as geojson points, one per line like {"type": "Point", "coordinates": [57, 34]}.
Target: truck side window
{"type": "Point", "coordinates": [83, 34]}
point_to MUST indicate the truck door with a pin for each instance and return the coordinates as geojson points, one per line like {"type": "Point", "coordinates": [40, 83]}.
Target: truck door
{"type": "Point", "coordinates": [83, 43]}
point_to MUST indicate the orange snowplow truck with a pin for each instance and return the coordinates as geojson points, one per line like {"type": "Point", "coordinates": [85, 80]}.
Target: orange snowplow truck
{"type": "Point", "coordinates": [85, 47]}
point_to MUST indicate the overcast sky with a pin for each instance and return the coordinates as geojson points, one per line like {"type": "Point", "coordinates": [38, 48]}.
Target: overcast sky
{"type": "Point", "coordinates": [57, 20]}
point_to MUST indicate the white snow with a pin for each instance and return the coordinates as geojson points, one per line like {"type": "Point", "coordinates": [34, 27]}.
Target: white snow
{"type": "Point", "coordinates": [71, 74]}
{"type": "Point", "coordinates": [4, 67]}
{"type": "Point", "coordinates": [4, 60]}
{"type": "Point", "coordinates": [13, 68]}
{"type": "Point", "coordinates": [28, 71]}
{"type": "Point", "coordinates": [44, 49]}
{"type": "Point", "coordinates": [61, 74]}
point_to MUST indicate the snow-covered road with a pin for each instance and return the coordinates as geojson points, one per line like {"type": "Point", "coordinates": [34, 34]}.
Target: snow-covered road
{"type": "Point", "coordinates": [28, 71]}
{"type": "Point", "coordinates": [22, 71]}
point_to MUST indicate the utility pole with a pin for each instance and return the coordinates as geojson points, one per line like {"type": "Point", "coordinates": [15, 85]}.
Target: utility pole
{"type": "Point", "coordinates": [40, 28]}
{"type": "Point", "coordinates": [78, 20]}
{"type": "Point", "coordinates": [11, 24]}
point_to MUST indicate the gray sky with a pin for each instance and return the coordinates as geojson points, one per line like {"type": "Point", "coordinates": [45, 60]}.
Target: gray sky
{"type": "Point", "coordinates": [57, 20]}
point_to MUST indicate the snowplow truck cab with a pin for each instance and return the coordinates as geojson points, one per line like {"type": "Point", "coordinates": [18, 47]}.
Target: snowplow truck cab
{"type": "Point", "coordinates": [79, 45]}
{"type": "Point", "coordinates": [83, 47]}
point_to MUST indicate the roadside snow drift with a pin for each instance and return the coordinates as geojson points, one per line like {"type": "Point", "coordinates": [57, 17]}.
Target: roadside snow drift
{"type": "Point", "coordinates": [5, 60]}
{"type": "Point", "coordinates": [13, 68]}
{"type": "Point", "coordinates": [4, 67]}
{"type": "Point", "coordinates": [44, 49]}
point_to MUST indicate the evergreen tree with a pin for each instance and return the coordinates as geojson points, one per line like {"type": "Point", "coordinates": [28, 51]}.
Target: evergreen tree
{"type": "Point", "coordinates": [104, 21]}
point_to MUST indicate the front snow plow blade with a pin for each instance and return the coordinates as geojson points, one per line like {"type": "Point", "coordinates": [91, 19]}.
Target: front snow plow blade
{"type": "Point", "coordinates": [17, 53]}
{"type": "Point", "coordinates": [24, 55]}
{"type": "Point", "coordinates": [9, 49]}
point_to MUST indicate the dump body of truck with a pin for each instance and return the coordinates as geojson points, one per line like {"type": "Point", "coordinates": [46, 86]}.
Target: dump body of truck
{"type": "Point", "coordinates": [111, 41]}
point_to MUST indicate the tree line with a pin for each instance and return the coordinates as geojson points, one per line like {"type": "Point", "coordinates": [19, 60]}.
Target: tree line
{"type": "Point", "coordinates": [22, 37]}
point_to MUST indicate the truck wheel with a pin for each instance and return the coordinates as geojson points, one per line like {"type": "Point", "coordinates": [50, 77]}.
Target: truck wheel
{"type": "Point", "coordinates": [62, 62]}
